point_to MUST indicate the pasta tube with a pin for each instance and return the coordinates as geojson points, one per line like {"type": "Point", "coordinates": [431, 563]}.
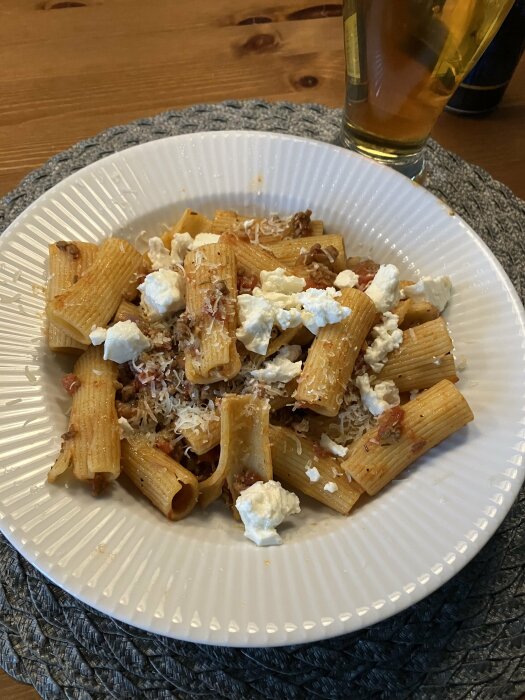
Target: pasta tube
{"type": "Point", "coordinates": [202, 440]}
{"type": "Point", "coordinates": [283, 338]}
{"type": "Point", "coordinates": [93, 300]}
{"type": "Point", "coordinates": [405, 433]}
{"type": "Point", "coordinates": [190, 222]}
{"type": "Point", "coordinates": [332, 355]}
{"type": "Point", "coordinates": [252, 259]}
{"type": "Point", "coordinates": [289, 250]}
{"type": "Point", "coordinates": [423, 359]}
{"type": "Point", "coordinates": [211, 294]}
{"type": "Point", "coordinates": [292, 455]}
{"type": "Point", "coordinates": [168, 485]}
{"type": "Point", "coordinates": [258, 228]}
{"type": "Point", "coordinates": [67, 262]}
{"type": "Point", "coordinates": [92, 443]}
{"type": "Point", "coordinates": [245, 447]}
{"type": "Point", "coordinates": [417, 312]}
{"type": "Point", "coordinates": [128, 312]}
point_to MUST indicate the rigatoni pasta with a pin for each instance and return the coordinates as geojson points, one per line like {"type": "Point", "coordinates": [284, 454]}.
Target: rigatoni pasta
{"type": "Point", "coordinates": [295, 457]}
{"type": "Point", "coordinates": [91, 444]}
{"type": "Point", "coordinates": [332, 355]}
{"type": "Point", "coordinates": [67, 263]}
{"type": "Point", "coordinates": [423, 359]}
{"type": "Point", "coordinates": [211, 292]}
{"type": "Point", "coordinates": [405, 434]}
{"type": "Point", "coordinates": [256, 353]}
{"type": "Point", "coordinates": [93, 300]}
{"type": "Point", "coordinates": [166, 483]}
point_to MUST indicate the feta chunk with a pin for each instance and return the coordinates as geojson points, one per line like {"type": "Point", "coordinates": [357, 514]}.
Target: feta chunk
{"type": "Point", "coordinates": [158, 254]}
{"type": "Point", "coordinates": [330, 446]}
{"type": "Point", "coordinates": [384, 288]}
{"type": "Point", "coordinates": [387, 337]}
{"type": "Point", "coordinates": [346, 278]}
{"type": "Point", "coordinates": [379, 398]}
{"type": "Point", "coordinates": [313, 474]}
{"type": "Point", "coordinates": [124, 342]}
{"type": "Point", "coordinates": [163, 291]}
{"type": "Point", "coordinates": [321, 308]}
{"type": "Point", "coordinates": [256, 318]}
{"type": "Point", "coordinates": [262, 507]}
{"type": "Point", "coordinates": [204, 239]}
{"type": "Point", "coordinates": [436, 290]}
{"type": "Point", "coordinates": [331, 487]}
{"type": "Point", "coordinates": [278, 281]}
{"type": "Point", "coordinates": [98, 335]}
{"type": "Point", "coordinates": [181, 243]}
{"type": "Point", "coordinates": [276, 303]}
{"type": "Point", "coordinates": [280, 369]}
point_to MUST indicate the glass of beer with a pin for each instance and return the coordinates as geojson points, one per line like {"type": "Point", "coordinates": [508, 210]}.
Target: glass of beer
{"type": "Point", "coordinates": [404, 59]}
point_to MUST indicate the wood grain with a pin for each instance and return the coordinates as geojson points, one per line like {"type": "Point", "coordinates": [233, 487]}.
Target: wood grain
{"type": "Point", "coordinates": [69, 69]}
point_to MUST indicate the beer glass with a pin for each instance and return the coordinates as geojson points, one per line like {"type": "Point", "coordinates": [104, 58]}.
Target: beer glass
{"type": "Point", "coordinates": [404, 59]}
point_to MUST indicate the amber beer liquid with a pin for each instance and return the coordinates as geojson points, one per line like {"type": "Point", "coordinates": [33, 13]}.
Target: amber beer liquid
{"type": "Point", "coordinates": [404, 59]}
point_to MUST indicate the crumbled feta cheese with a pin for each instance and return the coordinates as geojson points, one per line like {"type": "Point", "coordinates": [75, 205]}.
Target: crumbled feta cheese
{"type": "Point", "coordinates": [278, 281]}
{"type": "Point", "coordinates": [181, 243]}
{"type": "Point", "coordinates": [321, 308]}
{"type": "Point", "coordinates": [387, 337]}
{"type": "Point", "coordinates": [331, 487]}
{"type": "Point", "coordinates": [275, 303]}
{"type": "Point", "coordinates": [435, 290]}
{"type": "Point", "coordinates": [124, 342]}
{"type": "Point", "coordinates": [279, 369]}
{"type": "Point", "coordinates": [378, 399]}
{"type": "Point", "coordinates": [262, 507]}
{"type": "Point", "coordinates": [158, 254]}
{"type": "Point", "coordinates": [256, 319]}
{"type": "Point", "coordinates": [313, 474]}
{"type": "Point", "coordinates": [346, 278]}
{"type": "Point", "coordinates": [204, 239]}
{"type": "Point", "coordinates": [98, 335]}
{"type": "Point", "coordinates": [330, 446]}
{"type": "Point", "coordinates": [384, 288]}
{"type": "Point", "coordinates": [286, 308]}
{"type": "Point", "coordinates": [163, 291]}
{"type": "Point", "coordinates": [124, 427]}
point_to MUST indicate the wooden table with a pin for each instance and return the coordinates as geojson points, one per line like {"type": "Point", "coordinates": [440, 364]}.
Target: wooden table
{"type": "Point", "coordinates": [70, 68]}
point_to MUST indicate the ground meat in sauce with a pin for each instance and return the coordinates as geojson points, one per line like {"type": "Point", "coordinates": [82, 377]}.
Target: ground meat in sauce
{"type": "Point", "coordinates": [317, 254]}
{"type": "Point", "coordinates": [319, 276]}
{"type": "Point", "coordinates": [246, 283]}
{"type": "Point", "coordinates": [71, 383]}
{"type": "Point", "coordinates": [300, 224]}
{"type": "Point", "coordinates": [365, 269]}
{"type": "Point", "coordinates": [418, 445]}
{"type": "Point", "coordinates": [98, 484]}
{"type": "Point", "coordinates": [244, 479]}
{"type": "Point", "coordinates": [390, 426]}
{"type": "Point", "coordinates": [69, 248]}
{"type": "Point", "coordinates": [320, 452]}
{"type": "Point", "coordinates": [203, 466]}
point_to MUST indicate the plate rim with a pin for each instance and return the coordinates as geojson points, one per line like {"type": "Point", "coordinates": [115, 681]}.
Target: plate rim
{"type": "Point", "coordinates": [420, 592]}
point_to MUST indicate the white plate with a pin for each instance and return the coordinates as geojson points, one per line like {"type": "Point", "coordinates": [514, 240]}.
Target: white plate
{"type": "Point", "coordinates": [200, 579]}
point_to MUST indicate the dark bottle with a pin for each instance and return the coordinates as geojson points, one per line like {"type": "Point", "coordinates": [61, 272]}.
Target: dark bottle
{"type": "Point", "coordinates": [483, 88]}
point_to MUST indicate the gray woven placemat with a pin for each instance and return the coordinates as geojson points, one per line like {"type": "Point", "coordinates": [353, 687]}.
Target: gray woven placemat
{"type": "Point", "coordinates": [466, 640]}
